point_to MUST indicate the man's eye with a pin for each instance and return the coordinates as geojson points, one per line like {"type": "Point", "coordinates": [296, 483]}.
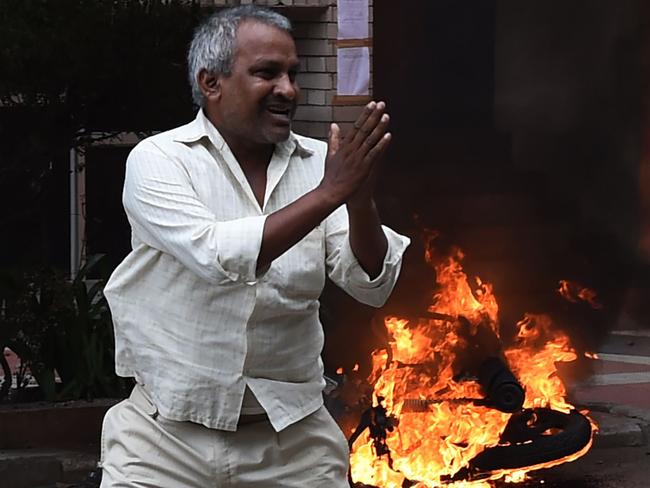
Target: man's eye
{"type": "Point", "coordinates": [266, 74]}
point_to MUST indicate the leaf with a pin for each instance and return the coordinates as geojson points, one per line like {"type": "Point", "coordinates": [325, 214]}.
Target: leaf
{"type": "Point", "coordinates": [45, 379]}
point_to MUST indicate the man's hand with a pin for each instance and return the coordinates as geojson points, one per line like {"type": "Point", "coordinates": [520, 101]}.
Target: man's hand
{"type": "Point", "coordinates": [351, 165]}
{"type": "Point", "coordinates": [350, 176]}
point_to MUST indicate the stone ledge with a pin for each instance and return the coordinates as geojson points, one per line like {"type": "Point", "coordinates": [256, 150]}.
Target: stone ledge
{"type": "Point", "coordinates": [617, 431]}
{"type": "Point", "coordinates": [69, 425]}
{"type": "Point", "coordinates": [30, 468]}
{"type": "Point", "coordinates": [620, 425]}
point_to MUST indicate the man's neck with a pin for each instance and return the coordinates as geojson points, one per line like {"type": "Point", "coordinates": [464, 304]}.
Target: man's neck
{"type": "Point", "coordinates": [253, 158]}
{"type": "Point", "coordinates": [248, 154]}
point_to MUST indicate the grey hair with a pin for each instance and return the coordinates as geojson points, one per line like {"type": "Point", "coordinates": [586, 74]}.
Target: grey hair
{"type": "Point", "coordinates": [213, 44]}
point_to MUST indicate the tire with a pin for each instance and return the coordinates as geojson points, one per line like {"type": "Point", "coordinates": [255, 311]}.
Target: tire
{"type": "Point", "coordinates": [528, 444]}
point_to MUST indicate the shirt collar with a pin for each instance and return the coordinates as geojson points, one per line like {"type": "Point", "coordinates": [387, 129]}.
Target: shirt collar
{"type": "Point", "coordinates": [201, 127]}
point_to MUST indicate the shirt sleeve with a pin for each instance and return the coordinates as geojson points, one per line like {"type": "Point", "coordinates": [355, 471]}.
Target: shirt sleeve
{"type": "Point", "coordinates": [344, 269]}
{"type": "Point", "coordinates": [166, 214]}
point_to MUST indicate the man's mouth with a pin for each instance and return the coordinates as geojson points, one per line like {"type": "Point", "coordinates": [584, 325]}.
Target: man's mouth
{"type": "Point", "coordinates": [280, 112]}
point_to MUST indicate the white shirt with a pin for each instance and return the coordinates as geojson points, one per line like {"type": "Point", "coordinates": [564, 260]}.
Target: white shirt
{"type": "Point", "coordinates": [193, 321]}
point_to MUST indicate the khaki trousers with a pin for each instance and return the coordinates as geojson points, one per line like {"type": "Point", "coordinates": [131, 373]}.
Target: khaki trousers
{"type": "Point", "coordinates": [141, 449]}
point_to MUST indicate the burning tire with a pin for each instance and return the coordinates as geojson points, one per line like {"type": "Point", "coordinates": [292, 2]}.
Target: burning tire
{"type": "Point", "coordinates": [531, 437]}
{"type": "Point", "coordinates": [535, 436]}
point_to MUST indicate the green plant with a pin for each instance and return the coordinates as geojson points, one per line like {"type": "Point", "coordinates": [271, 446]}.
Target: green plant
{"type": "Point", "coordinates": [87, 345]}
{"type": "Point", "coordinates": [58, 326]}
{"type": "Point", "coordinates": [34, 305]}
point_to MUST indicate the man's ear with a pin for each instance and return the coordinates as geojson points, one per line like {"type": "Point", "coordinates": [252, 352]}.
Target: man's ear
{"type": "Point", "coordinates": [210, 84]}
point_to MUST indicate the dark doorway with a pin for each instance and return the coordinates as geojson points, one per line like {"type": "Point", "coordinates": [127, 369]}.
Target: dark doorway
{"type": "Point", "coordinates": [107, 228]}
{"type": "Point", "coordinates": [434, 63]}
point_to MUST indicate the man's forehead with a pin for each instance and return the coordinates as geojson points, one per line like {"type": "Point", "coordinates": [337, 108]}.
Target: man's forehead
{"type": "Point", "coordinates": [255, 37]}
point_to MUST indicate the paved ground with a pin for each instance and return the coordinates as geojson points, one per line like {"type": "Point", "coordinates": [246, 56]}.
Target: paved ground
{"type": "Point", "coordinates": [622, 372]}
{"type": "Point", "coordinates": [623, 467]}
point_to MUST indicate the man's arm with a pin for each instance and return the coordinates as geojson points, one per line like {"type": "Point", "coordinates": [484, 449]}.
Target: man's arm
{"type": "Point", "coordinates": [367, 239]}
{"type": "Point", "coordinates": [350, 172]}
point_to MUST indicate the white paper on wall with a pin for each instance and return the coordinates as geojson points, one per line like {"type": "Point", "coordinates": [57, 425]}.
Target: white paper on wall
{"type": "Point", "coordinates": [353, 67]}
{"type": "Point", "coordinates": [353, 19]}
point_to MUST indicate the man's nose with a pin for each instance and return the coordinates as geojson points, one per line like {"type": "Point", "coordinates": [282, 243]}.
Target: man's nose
{"type": "Point", "coordinates": [286, 87]}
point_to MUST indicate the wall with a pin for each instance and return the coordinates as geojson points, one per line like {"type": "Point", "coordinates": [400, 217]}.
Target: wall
{"type": "Point", "coordinates": [567, 90]}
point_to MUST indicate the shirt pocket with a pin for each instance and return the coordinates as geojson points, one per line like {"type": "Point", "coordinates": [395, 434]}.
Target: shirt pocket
{"type": "Point", "coordinates": [303, 266]}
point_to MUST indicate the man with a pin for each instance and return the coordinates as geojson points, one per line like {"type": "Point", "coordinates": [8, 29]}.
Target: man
{"type": "Point", "coordinates": [235, 220]}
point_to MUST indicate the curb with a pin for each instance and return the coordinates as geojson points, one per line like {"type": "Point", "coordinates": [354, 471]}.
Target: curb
{"type": "Point", "coordinates": [66, 425]}
{"type": "Point", "coordinates": [30, 468]}
{"type": "Point", "coordinates": [619, 425]}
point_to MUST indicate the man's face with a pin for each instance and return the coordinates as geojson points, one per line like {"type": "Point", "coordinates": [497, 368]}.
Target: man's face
{"type": "Point", "coordinates": [258, 99]}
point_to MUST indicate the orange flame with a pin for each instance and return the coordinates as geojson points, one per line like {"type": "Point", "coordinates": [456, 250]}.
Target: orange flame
{"type": "Point", "coordinates": [417, 378]}
{"type": "Point", "coordinates": [575, 292]}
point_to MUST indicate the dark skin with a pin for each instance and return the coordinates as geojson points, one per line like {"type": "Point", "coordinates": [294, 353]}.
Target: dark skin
{"type": "Point", "coordinates": [252, 109]}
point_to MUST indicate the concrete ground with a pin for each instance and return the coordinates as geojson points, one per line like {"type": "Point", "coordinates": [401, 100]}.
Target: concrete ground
{"type": "Point", "coordinates": [621, 467]}
{"type": "Point", "coordinates": [621, 372]}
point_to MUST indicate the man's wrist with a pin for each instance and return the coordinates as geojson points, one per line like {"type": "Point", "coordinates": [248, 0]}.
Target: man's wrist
{"type": "Point", "coordinates": [328, 198]}
{"type": "Point", "coordinates": [361, 206]}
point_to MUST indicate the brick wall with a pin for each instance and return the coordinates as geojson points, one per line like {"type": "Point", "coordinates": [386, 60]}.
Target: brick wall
{"type": "Point", "coordinates": [315, 31]}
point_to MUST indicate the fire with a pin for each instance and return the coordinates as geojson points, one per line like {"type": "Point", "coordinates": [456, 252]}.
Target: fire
{"type": "Point", "coordinates": [575, 292]}
{"type": "Point", "coordinates": [436, 418]}
{"type": "Point", "coordinates": [340, 370]}
{"type": "Point", "coordinates": [533, 360]}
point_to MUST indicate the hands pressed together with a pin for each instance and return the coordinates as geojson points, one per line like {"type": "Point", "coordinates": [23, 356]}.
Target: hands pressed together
{"type": "Point", "coordinates": [351, 167]}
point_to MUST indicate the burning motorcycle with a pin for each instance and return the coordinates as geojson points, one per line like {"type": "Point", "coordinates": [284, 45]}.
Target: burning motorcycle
{"type": "Point", "coordinates": [450, 405]}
